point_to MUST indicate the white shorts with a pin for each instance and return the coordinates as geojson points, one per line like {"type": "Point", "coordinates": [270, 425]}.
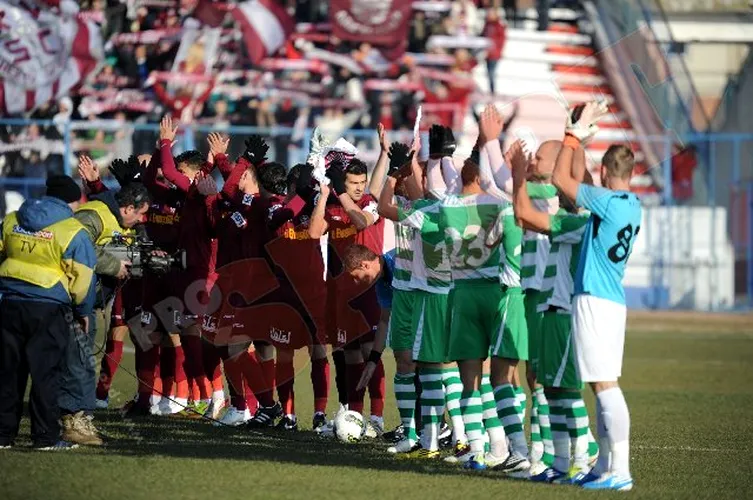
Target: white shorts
{"type": "Point", "coordinates": [598, 338]}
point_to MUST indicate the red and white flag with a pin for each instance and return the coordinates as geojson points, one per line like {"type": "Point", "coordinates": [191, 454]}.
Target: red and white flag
{"type": "Point", "coordinates": [264, 24]}
{"type": "Point", "coordinates": [45, 53]}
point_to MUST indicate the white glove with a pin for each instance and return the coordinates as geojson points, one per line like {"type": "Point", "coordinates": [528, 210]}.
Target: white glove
{"type": "Point", "coordinates": [584, 128]}
{"type": "Point", "coordinates": [341, 146]}
{"type": "Point", "coordinates": [317, 144]}
{"type": "Point", "coordinates": [320, 172]}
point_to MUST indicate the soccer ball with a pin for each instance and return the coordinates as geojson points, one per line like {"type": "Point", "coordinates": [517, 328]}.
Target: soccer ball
{"type": "Point", "coordinates": [349, 426]}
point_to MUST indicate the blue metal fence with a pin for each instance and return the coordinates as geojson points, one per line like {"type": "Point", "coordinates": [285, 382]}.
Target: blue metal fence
{"type": "Point", "coordinates": [726, 182]}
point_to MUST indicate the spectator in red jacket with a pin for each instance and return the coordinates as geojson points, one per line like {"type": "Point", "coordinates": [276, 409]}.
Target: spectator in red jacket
{"type": "Point", "coordinates": [494, 30]}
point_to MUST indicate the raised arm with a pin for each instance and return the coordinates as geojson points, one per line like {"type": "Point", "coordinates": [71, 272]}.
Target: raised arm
{"type": "Point", "coordinates": [491, 125]}
{"type": "Point", "coordinates": [525, 213]}
{"type": "Point", "coordinates": [387, 206]}
{"type": "Point", "coordinates": [434, 180]}
{"type": "Point", "coordinates": [414, 183]}
{"type": "Point", "coordinates": [231, 188]}
{"type": "Point", "coordinates": [167, 135]}
{"type": "Point", "coordinates": [218, 154]}
{"type": "Point", "coordinates": [361, 218]}
{"type": "Point", "coordinates": [486, 178]}
{"type": "Point", "coordinates": [156, 188]}
{"type": "Point", "coordinates": [451, 175]}
{"type": "Point", "coordinates": [580, 172]}
{"type": "Point", "coordinates": [580, 127]}
{"type": "Point", "coordinates": [89, 173]}
{"type": "Point", "coordinates": [318, 226]}
{"type": "Point", "coordinates": [380, 169]}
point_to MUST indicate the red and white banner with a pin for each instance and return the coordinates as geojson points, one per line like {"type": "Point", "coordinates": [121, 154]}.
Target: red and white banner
{"type": "Point", "coordinates": [342, 60]}
{"type": "Point", "coordinates": [391, 85]}
{"type": "Point", "coordinates": [264, 24]}
{"type": "Point", "coordinates": [123, 100]}
{"type": "Point", "coordinates": [272, 64]}
{"type": "Point", "coordinates": [148, 37]}
{"type": "Point", "coordinates": [379, 22]}
{"type": "Point", "coordinates": [44, 53]}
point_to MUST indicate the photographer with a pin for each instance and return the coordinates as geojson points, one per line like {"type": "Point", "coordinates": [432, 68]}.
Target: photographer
{"type": "Point", "coordinates": [108, 215]}
{"type": "Point", "coordinates": [46, 277]}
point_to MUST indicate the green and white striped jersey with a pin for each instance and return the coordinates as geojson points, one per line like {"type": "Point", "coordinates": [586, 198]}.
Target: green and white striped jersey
{"type": "Point", "coordinates": [431, 265]}
{"type": "Point", "coordinates": [466, 220]}
{"type": "Point", "coordinates": [406, 238]}
{"type": "Point", "coordinates": [566, 236]}
{"type": "Point", "coordinates": [536, 245]}
{"type": "Point", "coordinates": [506, 228]}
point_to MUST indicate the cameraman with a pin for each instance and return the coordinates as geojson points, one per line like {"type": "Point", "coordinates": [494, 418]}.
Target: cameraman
{"type": "Point", "coordinates": [107, 215]}
{"type": "Point", "coordinates": [46, 277]}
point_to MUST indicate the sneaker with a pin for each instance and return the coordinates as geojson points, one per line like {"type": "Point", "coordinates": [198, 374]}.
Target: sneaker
{"type": "Point", "coordinates": [234, 417]}
{"type": "Point", "coordinates": [319, 420]}
{"type": "Point", "coordinates": [216, 409]}
{"type": "Point", "coordinates": [419, 453]}
{"type": "Point", "coordinates": [445, 437]}
{"type": "Point", "coordinates": [133, 410]}
{"type": "Point", "coordinates": [492, 461]}
{"type": "Point", "coordinates": [549, 475]}
{"type": "Point", "coordinates": [59, 446]}
{"type": "Point", "coordinates": [514, 462]}
{"type": "Point", "coordinates": [581, 478]}
{"type": "Point", "coordinates": [476, 462]}
{"type": "Point", "coordinates": [404, 446]}
{"type": "Point", "coordinates": [194, 410]}
{"type": "Point", "coordinates": [462, 453]}
{"type": "Point", "coordinates": [537, 468]}
{"type": "Point", "coordinates": [79, 430]}
{"type": "Point", "coordinates": [395, 435]}
{"type": "Point", "coordinates": [327, 430]}
{"type": "Point", "coordinates": [610, 481]}
{"type": "Point", "coordinates": [265, 416]}
{"type": "Point", "coordinates": [287, 423]}
{"type": "Point", "coordinates": [166, 407]}
{"type": "Point", "coordinates": [565, 478]}
{"type": "Point", "coordinates": [375, 428]}
{"type": "Point", "coordinates": [6, 446]}
{"type": "Point", "coordinates": [102, 404]}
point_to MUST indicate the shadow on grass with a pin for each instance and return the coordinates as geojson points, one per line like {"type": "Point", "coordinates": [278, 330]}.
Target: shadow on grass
{"type": "Point", "coordinates": [199, 439]}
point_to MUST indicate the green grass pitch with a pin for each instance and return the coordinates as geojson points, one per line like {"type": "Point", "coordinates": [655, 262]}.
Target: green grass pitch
{"type": "Point", "coordinates": [688, 380]}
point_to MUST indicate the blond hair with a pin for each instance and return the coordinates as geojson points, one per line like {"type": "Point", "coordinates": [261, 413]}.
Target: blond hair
{"type": "Point", "coordinates": [619, 161]}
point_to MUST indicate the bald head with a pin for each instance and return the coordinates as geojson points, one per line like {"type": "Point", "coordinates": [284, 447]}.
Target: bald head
{"type": "Point", "coordinates": [542, 166]}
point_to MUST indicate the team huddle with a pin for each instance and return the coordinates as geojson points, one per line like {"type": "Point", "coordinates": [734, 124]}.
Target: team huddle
{"type": "Point", "coordinates": [477, 284]}
{"type": "Point", "coordinates": [464, 269]}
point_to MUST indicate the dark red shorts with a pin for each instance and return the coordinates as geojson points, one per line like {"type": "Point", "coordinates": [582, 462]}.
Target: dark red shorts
{"type": "Point", "coordinates": [248, 302]}
{"type": "Point", "coordinates": [161, 308]}
{"type": "Point", "coordinates": [352, 312]}
{"type": "Point", "coordinates": [127, 303]}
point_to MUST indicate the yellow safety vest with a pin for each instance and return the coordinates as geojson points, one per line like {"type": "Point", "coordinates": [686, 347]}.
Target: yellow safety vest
{"type": "Point", "coordinates": [36, 257]}
{"type": "Point", "coordinates": [110, 225]}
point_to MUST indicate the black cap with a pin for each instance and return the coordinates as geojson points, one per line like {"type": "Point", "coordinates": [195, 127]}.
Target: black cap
{"type": "Point", "coordinates": [64, 188]}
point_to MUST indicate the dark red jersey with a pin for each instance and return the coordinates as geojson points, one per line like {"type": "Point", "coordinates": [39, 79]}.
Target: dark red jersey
{"type": "Point", "coordinates": [163, 218]}
{"type": "Point", "coordinates": [195, 233]}
{"type": "Point", "coordinates": [291, 248]}
{"type": "Point", "coordinates": [343, 233]}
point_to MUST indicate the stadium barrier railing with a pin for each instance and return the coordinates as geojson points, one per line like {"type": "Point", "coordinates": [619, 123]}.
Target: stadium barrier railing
{"type": "Point", "coordinates": [31, 149]}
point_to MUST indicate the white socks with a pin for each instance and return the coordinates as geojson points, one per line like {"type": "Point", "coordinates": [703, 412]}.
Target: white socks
{"type": "Point", "coordinates": [613, 421]}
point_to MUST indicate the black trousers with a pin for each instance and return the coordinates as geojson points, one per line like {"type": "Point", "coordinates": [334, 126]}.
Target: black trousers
{"type": "Point", "coordinates": [33, 340]}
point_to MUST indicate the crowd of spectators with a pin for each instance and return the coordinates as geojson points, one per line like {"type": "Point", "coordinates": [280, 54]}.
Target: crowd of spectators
{"type": "Point", "coordinates": [315, 79]}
